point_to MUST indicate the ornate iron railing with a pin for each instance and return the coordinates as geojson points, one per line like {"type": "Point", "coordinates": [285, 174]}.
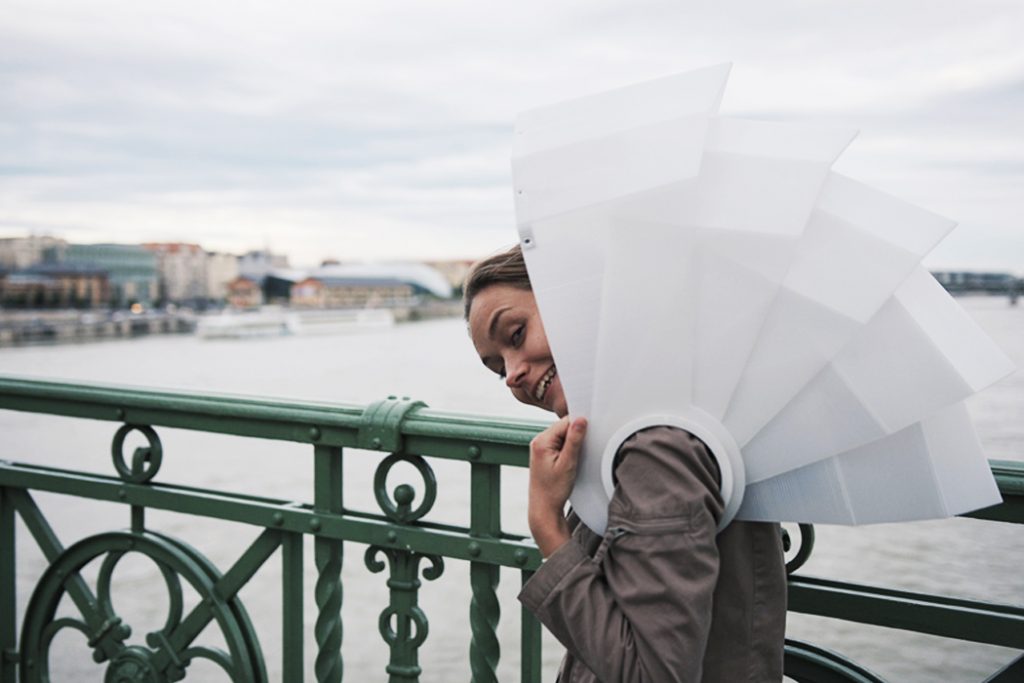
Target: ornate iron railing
{"type": "Point", "coordinates": [400, 540]}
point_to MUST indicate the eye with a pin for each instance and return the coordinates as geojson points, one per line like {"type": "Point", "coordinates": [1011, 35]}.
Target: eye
{"type": "Point", "coordinates": [517, 335]}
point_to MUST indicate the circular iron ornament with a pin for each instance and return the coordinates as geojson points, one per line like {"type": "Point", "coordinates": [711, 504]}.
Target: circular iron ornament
{"type": "Point", "coordinates": [806, 663]}
{"type": "Point", "coordinates": [145, 461]}
{"type": "Point", "coordinates": [167, 652]}
{"type": "Point", "coordinates": [400, 509]}
{"type": "Point", "coordinates": [804, 549]}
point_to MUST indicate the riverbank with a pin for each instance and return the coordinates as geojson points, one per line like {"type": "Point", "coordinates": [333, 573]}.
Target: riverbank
{"type": "Point", "coordinates": [22, 328]}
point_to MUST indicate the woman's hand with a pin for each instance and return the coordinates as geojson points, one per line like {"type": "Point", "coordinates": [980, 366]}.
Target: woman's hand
{"type": "Point", "coordinates": [554, 454]}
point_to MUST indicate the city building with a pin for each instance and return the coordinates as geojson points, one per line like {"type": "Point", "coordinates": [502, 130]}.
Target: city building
{"type": "Point", "coordinates": [221, 269]}
{"type": "Point", "coordinates": [257, 264]}
{"type": "Point", "coordinates": [54, 286]}
{"type": "Point", "coordinates": [958, 281]}
{"type": "Point", "coordinates": [182, 272]}
{"type": "Point", "coordinates": [423, 279]}
{"type": "Point", "coordinates": [19, 253]}
{"type": "Point", "coordinates": [244, 292]}
{"type": "Point", "coordinates": [131, 270]}
{"type": "Point", "coordinates": [341, 292]}
{"type": "Point", "coordinates": [454, 271]}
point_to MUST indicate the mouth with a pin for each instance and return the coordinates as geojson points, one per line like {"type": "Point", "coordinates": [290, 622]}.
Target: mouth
{"type": "Point", "coordinates": [543, 384]}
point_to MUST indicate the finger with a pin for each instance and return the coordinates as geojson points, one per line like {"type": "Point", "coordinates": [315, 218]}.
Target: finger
{"type": "Point", "coordinates": [553, 437]}
{"type": "Point", "coordinates": [574, 436]}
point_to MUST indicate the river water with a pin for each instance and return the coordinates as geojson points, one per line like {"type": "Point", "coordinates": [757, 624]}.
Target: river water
{"type": "Point", "coordinates": [433, 361]}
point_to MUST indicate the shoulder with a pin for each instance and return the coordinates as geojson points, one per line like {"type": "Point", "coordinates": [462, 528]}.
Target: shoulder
{"type": "Point", "coordinates": [665, 471]}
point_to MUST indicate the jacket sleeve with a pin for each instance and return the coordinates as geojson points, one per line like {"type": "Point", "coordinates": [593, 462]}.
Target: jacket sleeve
{"type": "Point", "coordinates": [640, 608]}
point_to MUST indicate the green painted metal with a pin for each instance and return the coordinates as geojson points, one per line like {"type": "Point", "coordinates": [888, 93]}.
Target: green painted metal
{"type": "Point", "coordinates": [381, 428]}
{"type": "Point", "coordinates": [8, 608]}
{"type": "Point", "coordinates": [402, 624]}
{"type": "Point", "coordinates": [484, 609]}
{"type": "Point", "coordinates": [806, 663]}
{"type": "Point", "coordinates": [970, 620]}
{"type": "Point", "coordinates": [1011, 673]}
{"type": "Point", "coordinates": [292, 625]}
{"type": "Point", "coordinates": [327, 553]}
{"type": "Point", "coordinates": [400, 536]}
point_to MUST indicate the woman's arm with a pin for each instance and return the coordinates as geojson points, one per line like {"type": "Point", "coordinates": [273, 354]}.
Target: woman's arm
{"type": "Point", "coordinates": [640, 609]}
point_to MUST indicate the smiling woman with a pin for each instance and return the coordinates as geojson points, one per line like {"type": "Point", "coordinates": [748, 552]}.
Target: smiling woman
{"type": "Point", "coordinates": [660, 596]}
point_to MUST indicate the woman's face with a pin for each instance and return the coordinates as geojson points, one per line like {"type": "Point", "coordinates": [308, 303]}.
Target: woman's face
{"type": "Point", "coordinates": [505, 326]}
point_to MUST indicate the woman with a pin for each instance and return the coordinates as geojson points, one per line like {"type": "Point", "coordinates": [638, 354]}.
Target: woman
{"type": "Point", "coordinates": [660, 597]}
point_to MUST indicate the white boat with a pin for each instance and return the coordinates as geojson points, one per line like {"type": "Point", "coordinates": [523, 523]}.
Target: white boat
{"type": "Point", "coordinates": [276, 322]}
{"type": "Point", "coordinates": [339, 321]}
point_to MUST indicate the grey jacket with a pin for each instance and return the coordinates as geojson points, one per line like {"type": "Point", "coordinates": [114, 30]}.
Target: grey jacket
{"type": "Point", "coordinates": [660, 597]}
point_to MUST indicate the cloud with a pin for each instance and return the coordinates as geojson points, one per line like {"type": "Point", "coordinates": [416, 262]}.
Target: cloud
{"type": "Point", "coordinates": [364, 130]}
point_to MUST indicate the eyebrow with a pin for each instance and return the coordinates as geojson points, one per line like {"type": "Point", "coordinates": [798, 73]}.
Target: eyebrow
{"type": "Point", "coordinates": [492, 328]}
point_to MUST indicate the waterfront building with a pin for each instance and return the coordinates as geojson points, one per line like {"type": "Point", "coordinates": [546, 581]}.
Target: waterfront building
{"type": "Point", "coordinates": [957, 281]}
{"type": "Point", "coordinates": [19, 253]}
{"type": "Point", "coordinates": [423, 278]}
{"type": "Point", "coordinates": [257, 264]}
{"type": "Point", "coordinates": [54, 286]}
{"type": "Point", "coordinates": [333, 292]}
{"type": "Point", "coordinates": [221, 269]}
{"type": "Point", "coordinates": [131, 270]}
{"type": "Point", "coordinates": [182, 271]}
{"type": "Point", "coordinates": [455, 271]}
{"type": "Point", "coordinates": [244, 292]}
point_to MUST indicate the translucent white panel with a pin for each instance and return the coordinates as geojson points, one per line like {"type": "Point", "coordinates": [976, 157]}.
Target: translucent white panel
{"type": "Point", "coordinates": [748, 137]}
{"type": "Point", "coordinates": [691, 93]}
{"type": "Point", "coordinates": [594, 149]}
{"type": "Point", "coordinates": [894, 372]}
{"type": "Point", "coordinates": [975, 356]}
{"type": "Point", "coordinates": [714, 274]}
{"type": "Point", "coordinates": [961, 470]}
{"type": "Point", "coordinates": [565, 257]}
{"type": "Point", "coordinates": [737, 279]}
{"type": "Point", "coordinates": [706, 270]}
{"type": "Point", "coordinates": [931, 469]}
{"type": "Point", "coordinates": [859, 246]}
{"type": "Point", "coordinates": [560, 179]}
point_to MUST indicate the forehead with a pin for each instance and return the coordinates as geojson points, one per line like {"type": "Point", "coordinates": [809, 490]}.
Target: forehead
{"type": "Point", "coordinates": [494, 302]}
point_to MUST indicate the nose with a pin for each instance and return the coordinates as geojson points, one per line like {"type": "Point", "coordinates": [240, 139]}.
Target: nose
{"type": "Point", "coordinates": [516, 371]}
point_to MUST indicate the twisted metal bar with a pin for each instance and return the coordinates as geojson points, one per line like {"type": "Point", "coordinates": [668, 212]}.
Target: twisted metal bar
{"type": "Point", "coordinates": [484, 613]}
{"type": "Point", "coordinates": [328, 629]}
{"type": "Point", "coordinates": [484, 610]}
{"type": "Point", "coordinates": [327, 555]}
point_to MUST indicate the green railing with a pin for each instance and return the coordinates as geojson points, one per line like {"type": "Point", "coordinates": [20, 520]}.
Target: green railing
{"type": "Point", "coordinates": [400, 540]}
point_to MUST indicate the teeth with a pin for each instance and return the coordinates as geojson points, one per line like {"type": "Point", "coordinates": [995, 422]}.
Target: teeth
{"type": "Point", "coordinates": [542, 386]}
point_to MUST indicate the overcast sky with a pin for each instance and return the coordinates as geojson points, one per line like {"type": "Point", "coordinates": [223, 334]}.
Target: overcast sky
{"type": "Point", "coordinates": [377, 130]}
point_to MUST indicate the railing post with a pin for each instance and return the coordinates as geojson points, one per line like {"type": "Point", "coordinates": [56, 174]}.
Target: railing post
{"type": "Point", "coordinates": [8, 617]}
{"type": "Point", "coordinates": [292, 595]}
{"type": "Point", "coordinates": [327, 553]}
{"type": "Point", "coordinates": [484, 610]}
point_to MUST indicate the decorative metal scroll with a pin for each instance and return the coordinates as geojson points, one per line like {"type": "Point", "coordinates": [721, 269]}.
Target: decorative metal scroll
{"type": "Point", "coordinates": [803, 550]}
{"type": "Point", "coordinates": [167, 652]}
{"type": "Point", "coordinates": [402, 624]}
{"type": "Point", "coordinates": [145, 460]}
{"type": "Point", "coordinates": [805, 663]}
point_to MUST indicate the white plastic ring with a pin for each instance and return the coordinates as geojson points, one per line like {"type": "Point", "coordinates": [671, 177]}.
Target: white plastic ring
{"type": "Point", "coordinates": [706, 428]}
